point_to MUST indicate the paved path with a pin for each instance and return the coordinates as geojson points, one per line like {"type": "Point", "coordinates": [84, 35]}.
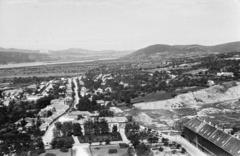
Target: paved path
{"type": "Point", "coordinates": [80, 149]}
{"type": "Point", "coordinates": [124, 138]}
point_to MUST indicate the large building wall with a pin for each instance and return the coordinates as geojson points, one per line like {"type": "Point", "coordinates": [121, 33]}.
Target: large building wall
{"type": "Point", "coordinates": [203, 144]}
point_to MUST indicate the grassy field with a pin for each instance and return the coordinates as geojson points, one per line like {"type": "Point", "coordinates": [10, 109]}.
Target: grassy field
{"type": "Point", "coordinates": [104, 150]}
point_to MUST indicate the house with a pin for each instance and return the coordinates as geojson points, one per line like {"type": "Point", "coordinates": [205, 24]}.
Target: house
{"type": "Point", "coordinates": [225, 74]}
{"type": "Point", "coordinates": [210, 83]}
{"type": "Point", "coordinates": [120, 122]}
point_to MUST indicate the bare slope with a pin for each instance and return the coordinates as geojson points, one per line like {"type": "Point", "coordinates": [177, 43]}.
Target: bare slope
{"type": "Point", "coordinates": [214, 94]}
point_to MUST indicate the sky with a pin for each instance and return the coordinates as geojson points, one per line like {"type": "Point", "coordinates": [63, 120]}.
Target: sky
{"type": "Point", "coordinates": [116, 24]}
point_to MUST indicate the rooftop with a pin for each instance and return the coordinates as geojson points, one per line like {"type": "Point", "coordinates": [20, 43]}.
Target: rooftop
{"type": "Point", "coordinates": [216, 136]}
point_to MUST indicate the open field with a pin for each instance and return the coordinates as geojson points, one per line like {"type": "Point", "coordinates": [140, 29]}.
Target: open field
{"type": "Point", "coordinates": [56, 69]}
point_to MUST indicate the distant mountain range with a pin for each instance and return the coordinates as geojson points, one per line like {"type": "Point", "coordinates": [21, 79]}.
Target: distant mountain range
{"type": "Point", "coordinates": [74, 54]}
{"type": "Point", "coordinates": [19, 56]}
{"type": "Point", "coordinates": [163, 51]}
{"type": "Point", "coordinates": [153, 52]}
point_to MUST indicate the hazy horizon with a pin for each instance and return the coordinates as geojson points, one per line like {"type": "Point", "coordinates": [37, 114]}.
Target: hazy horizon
{"type": "Point", "coordinates": [116, 24]}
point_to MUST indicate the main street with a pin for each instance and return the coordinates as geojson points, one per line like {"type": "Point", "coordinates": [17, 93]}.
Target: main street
{"type": "Point", "coordinates": [48, 136]}
{"type": "Point", "coordinates": [76, 99]}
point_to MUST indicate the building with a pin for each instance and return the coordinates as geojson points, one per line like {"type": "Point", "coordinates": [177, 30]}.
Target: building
{"type": "Point", "coordinates": [210, 139]}
{"type": "Point", "coordinates": [225, 74]}
{"type": "Point", "coordinates": [120, 122]}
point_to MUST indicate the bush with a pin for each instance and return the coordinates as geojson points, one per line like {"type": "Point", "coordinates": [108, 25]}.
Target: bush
{"type": "Point", "coordinates": [174, 152]}
{"type": "Point", "coordinates": [50, 154]}
{"type": "Point", "coordinates": [107, 141]}
{"type": "Point", "coordinates": [111, 151]}
{"type": "Point", "coordinates": [64, 149]}
{"type": "Point", "coordinates": [160, 149]}
{"type": "Point", "coordinates": [183, 150]}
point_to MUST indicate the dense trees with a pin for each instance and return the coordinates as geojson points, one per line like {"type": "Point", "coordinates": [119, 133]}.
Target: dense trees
{"type": "Point", "coordinates": [85, 104]}
{"type": "Point", "coordinates": [105, 113]}
{"type": "Point", "coordinates": [67, 129]}
{"type": "Point", "coordinates": [143, 150]}
{"type": "Point", "coordinates": [96, 127]}
{"type": "Point", "coordinates": [114, 129]}
{"type": "Point", "coordinates": [63, 134]}
{"type": "Point", "coordinates": [62, 142]}
{"type": "Point", "coordinates": [43, 102]}
{"type": "Point", "coordinates": [132, 133]}
{"type": "Point", "coordinates": [20, 143]}
{"type": "Point", "coordinates": [77, 130]}
{"type": "Point", "coordinates": [132, 127]}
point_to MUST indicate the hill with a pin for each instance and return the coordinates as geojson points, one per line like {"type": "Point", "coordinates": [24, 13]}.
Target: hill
{"type": "Point", "coordinates": [12, 55]}
{"type": "Point", "coordinates": [76, 54]}
{"type": "Point", "coordinates": [163, 51]}
{"type": "Point", "coordinates": [20, 56]}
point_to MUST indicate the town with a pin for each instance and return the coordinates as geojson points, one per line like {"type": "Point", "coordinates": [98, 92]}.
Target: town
{"type": "Point", "coordinates": [182, 107]}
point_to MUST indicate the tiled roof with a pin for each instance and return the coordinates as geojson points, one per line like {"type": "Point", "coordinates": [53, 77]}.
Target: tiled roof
{"type": "Point", "coordinates": [216, 136]}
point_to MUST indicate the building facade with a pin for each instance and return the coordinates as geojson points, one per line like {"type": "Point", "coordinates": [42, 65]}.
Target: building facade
{"type": "Point", "coordinates": [210, 139]}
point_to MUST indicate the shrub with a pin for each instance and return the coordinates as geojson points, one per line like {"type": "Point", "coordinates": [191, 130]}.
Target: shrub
{"type": "Point", "coordinates": [50, 154]}
{"type": "Point", "coordinates": [111, 151]}
{"type": "Point", "coordinates": [64, 149]}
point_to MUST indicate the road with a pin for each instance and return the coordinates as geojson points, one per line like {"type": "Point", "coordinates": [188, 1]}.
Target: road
{"type": "Point", "coordinates": [48, 136]}
{"type": "Point", "coordinates": [76, 100]}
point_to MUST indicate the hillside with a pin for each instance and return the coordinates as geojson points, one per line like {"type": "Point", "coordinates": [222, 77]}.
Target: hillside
{"type": "Point", "coordinates": [163, 51]}
{"type": "Point", "coordinates": [8, 56]}
{"type": "Point", "coordinates": [76, 54]}
{"type": "Point", "coordinates": [215, 94]}
{"type": "Point", "coordinates": [21, 57]}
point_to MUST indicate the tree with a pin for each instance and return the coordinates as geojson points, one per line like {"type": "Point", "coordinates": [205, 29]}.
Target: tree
{"type": "Point", "coordinates": [77, 130]}
{"type": "Point", "coordinates": [105, 113]}
{"type": "Point", "coordinates": [64, 149]}
{"type": "Point", "coordinates": [67, 128]}
{"type": "Point", "coordinates": [58, 125]}
{"type": "Point", "coordinates": [104, 126]}
{"type": "Point", "coordinates": [143, 150]}
{"type": "Point", "coordinates": [43, 102]}
{"type": "Point", "coordinates": [56, 133]}
{"type": "Point", "coordinates": [160, 149]}
{"type": "Point", "coordinates": [65, 142]}
{"type": "Point", "coordinates": [88, 127]}
{"type": "Point", "coordinates": [114, 129]}
{"type": "Point", "coordinates": [107, 141]}
{"type": "Point", "coordinates": [183, 150]}
{"type": "Point", "coordinates": [132, 127]}
{"type": "Point", "coordinates": [134, 138]}
{"type": "Point", "coordinates": [153, 139]}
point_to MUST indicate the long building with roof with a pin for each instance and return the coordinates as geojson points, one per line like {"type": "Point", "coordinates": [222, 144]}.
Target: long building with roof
{"type": "Point", "coordinates": [211, 139]}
